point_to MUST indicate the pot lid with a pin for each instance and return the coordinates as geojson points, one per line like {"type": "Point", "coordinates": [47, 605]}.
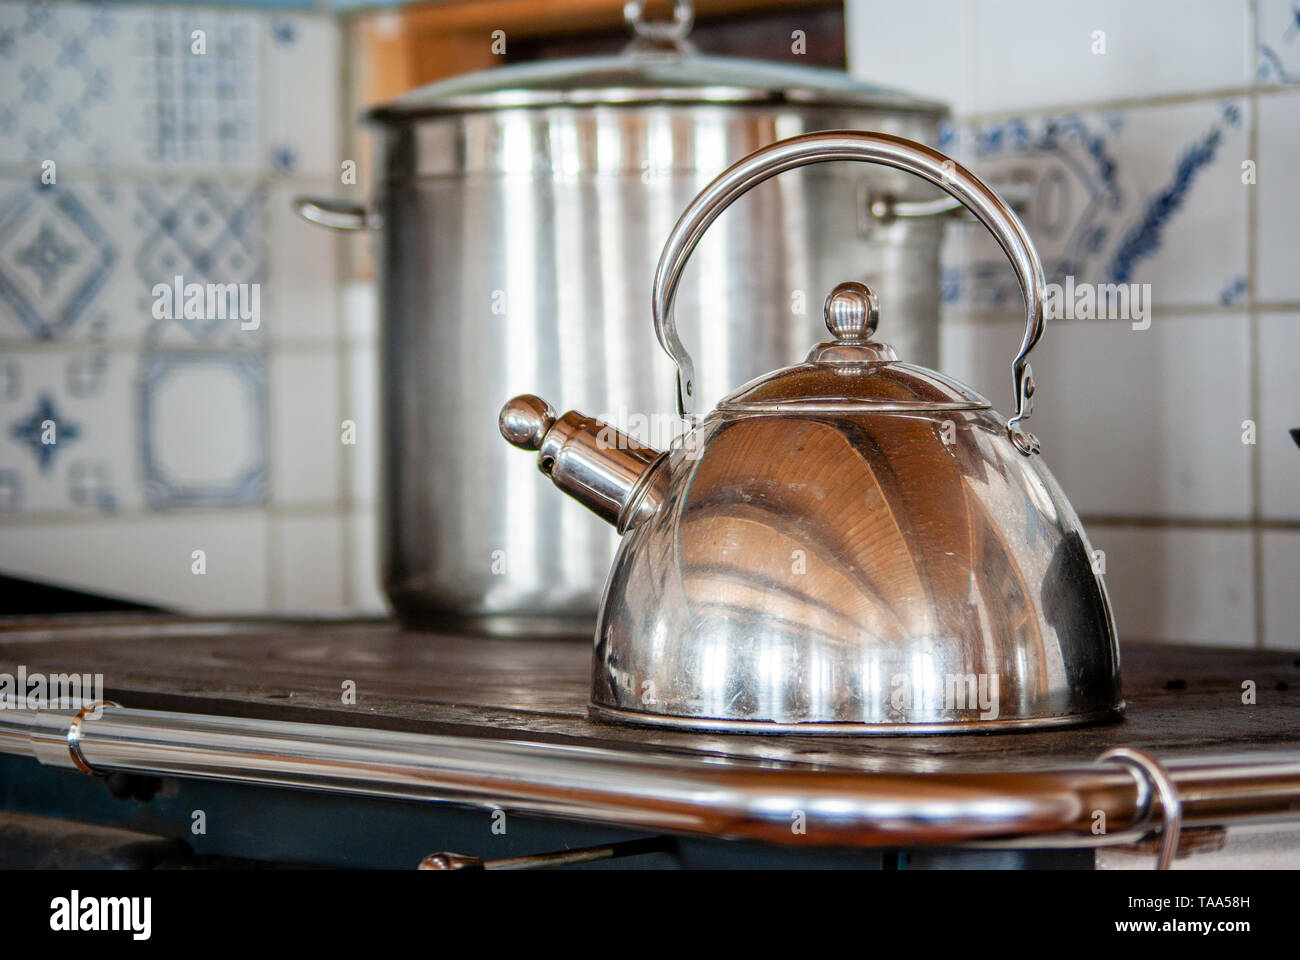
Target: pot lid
{"type": "Point", "coordinates": [852, 372]}
{"type": "Point", "coordinates": [645, 78]}
{"type": "Point", "coordinates": [659, 67]}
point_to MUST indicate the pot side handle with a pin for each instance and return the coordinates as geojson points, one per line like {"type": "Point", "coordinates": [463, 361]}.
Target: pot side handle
{"type": "Point", "coordinates": [332, 213]}
{"type": "Point", "coordinates": [940, 170]}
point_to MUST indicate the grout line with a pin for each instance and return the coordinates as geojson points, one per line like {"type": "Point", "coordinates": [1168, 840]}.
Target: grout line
{"type": "Point", "coordinates": [339, 251]}
{"type": "Point", "coordinates": [1276, 90]}
{"type": "Point", "coordinates": [1222, 524]}
{"type": "Point", "coordinates": [1123, 103]}
{"type": "Point", "coordinates": [317, 8]}
{"type": "Point", "coordinates": [321, 509]}
{"type": "Point", "coordinates": [1243, 310]}
{"type": "Point", "coordinates": [1253, 358]}
{"type": "Point", "coordinates": [273, 546]}
{"type": "Point", "coordinates": [134, 347]}
{"type": "Point", "coordinates": [131, 176]}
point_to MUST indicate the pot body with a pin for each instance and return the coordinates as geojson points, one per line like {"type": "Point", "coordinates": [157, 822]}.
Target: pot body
{"type": "Point", "coordinates": [516, 251]}
{"type": "Point", "coordinates": [882, 572]}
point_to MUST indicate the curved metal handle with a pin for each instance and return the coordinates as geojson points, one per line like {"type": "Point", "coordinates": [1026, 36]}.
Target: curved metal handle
{"type": "Point", "coordinates": [335, 214]}
{"type": "Point", "coordinates": [942, 171]}
{"type": "Point", "coordinates": [884, 207]}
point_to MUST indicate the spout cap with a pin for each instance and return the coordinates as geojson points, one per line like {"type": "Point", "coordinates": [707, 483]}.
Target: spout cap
{"type": "Point", "coordinates": [525, 420]}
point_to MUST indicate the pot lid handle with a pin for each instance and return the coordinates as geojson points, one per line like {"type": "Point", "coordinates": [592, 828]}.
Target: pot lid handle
{"type": "Point", "coordinates": [906, 155]}
{"type": "Point", "coordinates": [660, 34]}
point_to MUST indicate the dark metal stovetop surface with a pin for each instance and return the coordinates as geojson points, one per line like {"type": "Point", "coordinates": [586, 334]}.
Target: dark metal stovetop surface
{"type": "Point", "coordinates": [1181, 699]}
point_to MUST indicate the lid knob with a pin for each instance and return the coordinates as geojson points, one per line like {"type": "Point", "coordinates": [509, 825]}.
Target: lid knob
{"type": "Point", "coordinates": [852, 312]}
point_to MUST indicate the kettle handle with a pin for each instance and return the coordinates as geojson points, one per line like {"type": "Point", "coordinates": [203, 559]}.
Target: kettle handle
{"type": "Point", "coordinates": [808, 148]}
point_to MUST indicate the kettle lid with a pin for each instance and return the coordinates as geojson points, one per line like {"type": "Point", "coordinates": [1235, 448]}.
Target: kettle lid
{"type": "Point", "coordinates": [852, 372]}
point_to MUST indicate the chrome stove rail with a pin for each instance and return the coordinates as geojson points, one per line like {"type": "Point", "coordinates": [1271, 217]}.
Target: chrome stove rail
{"type": "Point", "coordinates": [668, 792]}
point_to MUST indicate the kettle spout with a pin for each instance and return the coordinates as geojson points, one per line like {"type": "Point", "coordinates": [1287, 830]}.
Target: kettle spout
{"type": "Point", "coordinates": [602, 468]}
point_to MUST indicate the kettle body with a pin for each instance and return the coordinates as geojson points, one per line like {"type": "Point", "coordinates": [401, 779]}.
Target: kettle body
{"type": "Point", "coordinates": [856, 573]}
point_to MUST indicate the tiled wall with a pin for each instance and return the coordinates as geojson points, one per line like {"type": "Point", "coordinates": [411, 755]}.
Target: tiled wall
{"type": "Point", "coordinates": [173, 435]}
{"type": "Point", "coordinates": [1136, 159]}
{"type": "Point", "coordinates": [184, 435]}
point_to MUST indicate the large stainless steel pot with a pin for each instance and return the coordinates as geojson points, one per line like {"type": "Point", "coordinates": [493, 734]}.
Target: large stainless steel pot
{"type": "Point", "coordinates": [519, 213]}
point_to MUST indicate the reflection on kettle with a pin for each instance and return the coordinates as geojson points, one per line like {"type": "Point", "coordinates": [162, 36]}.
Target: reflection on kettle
{"type": "Point", "coordinates": [853, 544]}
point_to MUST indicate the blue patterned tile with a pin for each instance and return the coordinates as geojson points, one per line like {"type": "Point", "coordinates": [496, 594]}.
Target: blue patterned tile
{"type": "Point", "coordinates": [205, 233]}
{"type": "Point", "coordinates": [1277, 42]}
{"type": "Point", "coordinates": [206, 109]}
{"type": "Point", "coordinates": [56, 254]}
{"type": "Point", "coordinates": [267, 4]}
{"type": "Point", "coordinates": [303, 96]}
{"type": "Point", "coordinates": [91, 85]}
{"type": "Point", "coordinates": [44, 432]}
{"type": "Point", "coordinates": [85, 398]}
{"type": "Point", "coordinates": [1152, 195]}
{"type": "Point", "coordinates": [162, 429]}
{"type": "Point", "coordinates": [202, 429]}
{"type": "Point", "coordinates": [79, 260]}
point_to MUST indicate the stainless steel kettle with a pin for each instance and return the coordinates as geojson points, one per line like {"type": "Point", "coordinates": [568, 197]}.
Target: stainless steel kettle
{"type": "Point", "coordinates": [853, 544]}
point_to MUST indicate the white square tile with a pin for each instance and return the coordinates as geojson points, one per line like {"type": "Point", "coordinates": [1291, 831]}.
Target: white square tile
{"type": "Point", "coordinates": [1180, 585]}
{"type": "Point", "coordinates": [1279, 414]}
{"type": "Point", "coordinates": [1027, 54]}
{"type": "Point", "coordinates": [306, 436]}
{"type": "Point", "coordinates": [360, 311]}
{"type": "Point", "coordinates": [1281, 598]}
{"type": "Point", "coordinates": [979, 355]}
{"type": "Point", "coordinates": [361, 458]}
{"type": "Point", "coordinates": [1277, 42]}
{"type": "Point", "coordinates": [310, 562]}
{"type": "Point", "coordinates": [302, 286]}
{"type": "Point", "coordinates": [152, 560]}
{"type": "Point", "coordinates": [920, 47]}
{"type": "Point", "coordinates": [304, 95]}
{"type": "Point", "coordinates": [1278, 238]}
{"type": "Point", "coordinates": [1151, 195]}
{"type": "Point", "coordinates": [366, 595]}
{"type": "Point", "coordinates": [1129, 419]}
